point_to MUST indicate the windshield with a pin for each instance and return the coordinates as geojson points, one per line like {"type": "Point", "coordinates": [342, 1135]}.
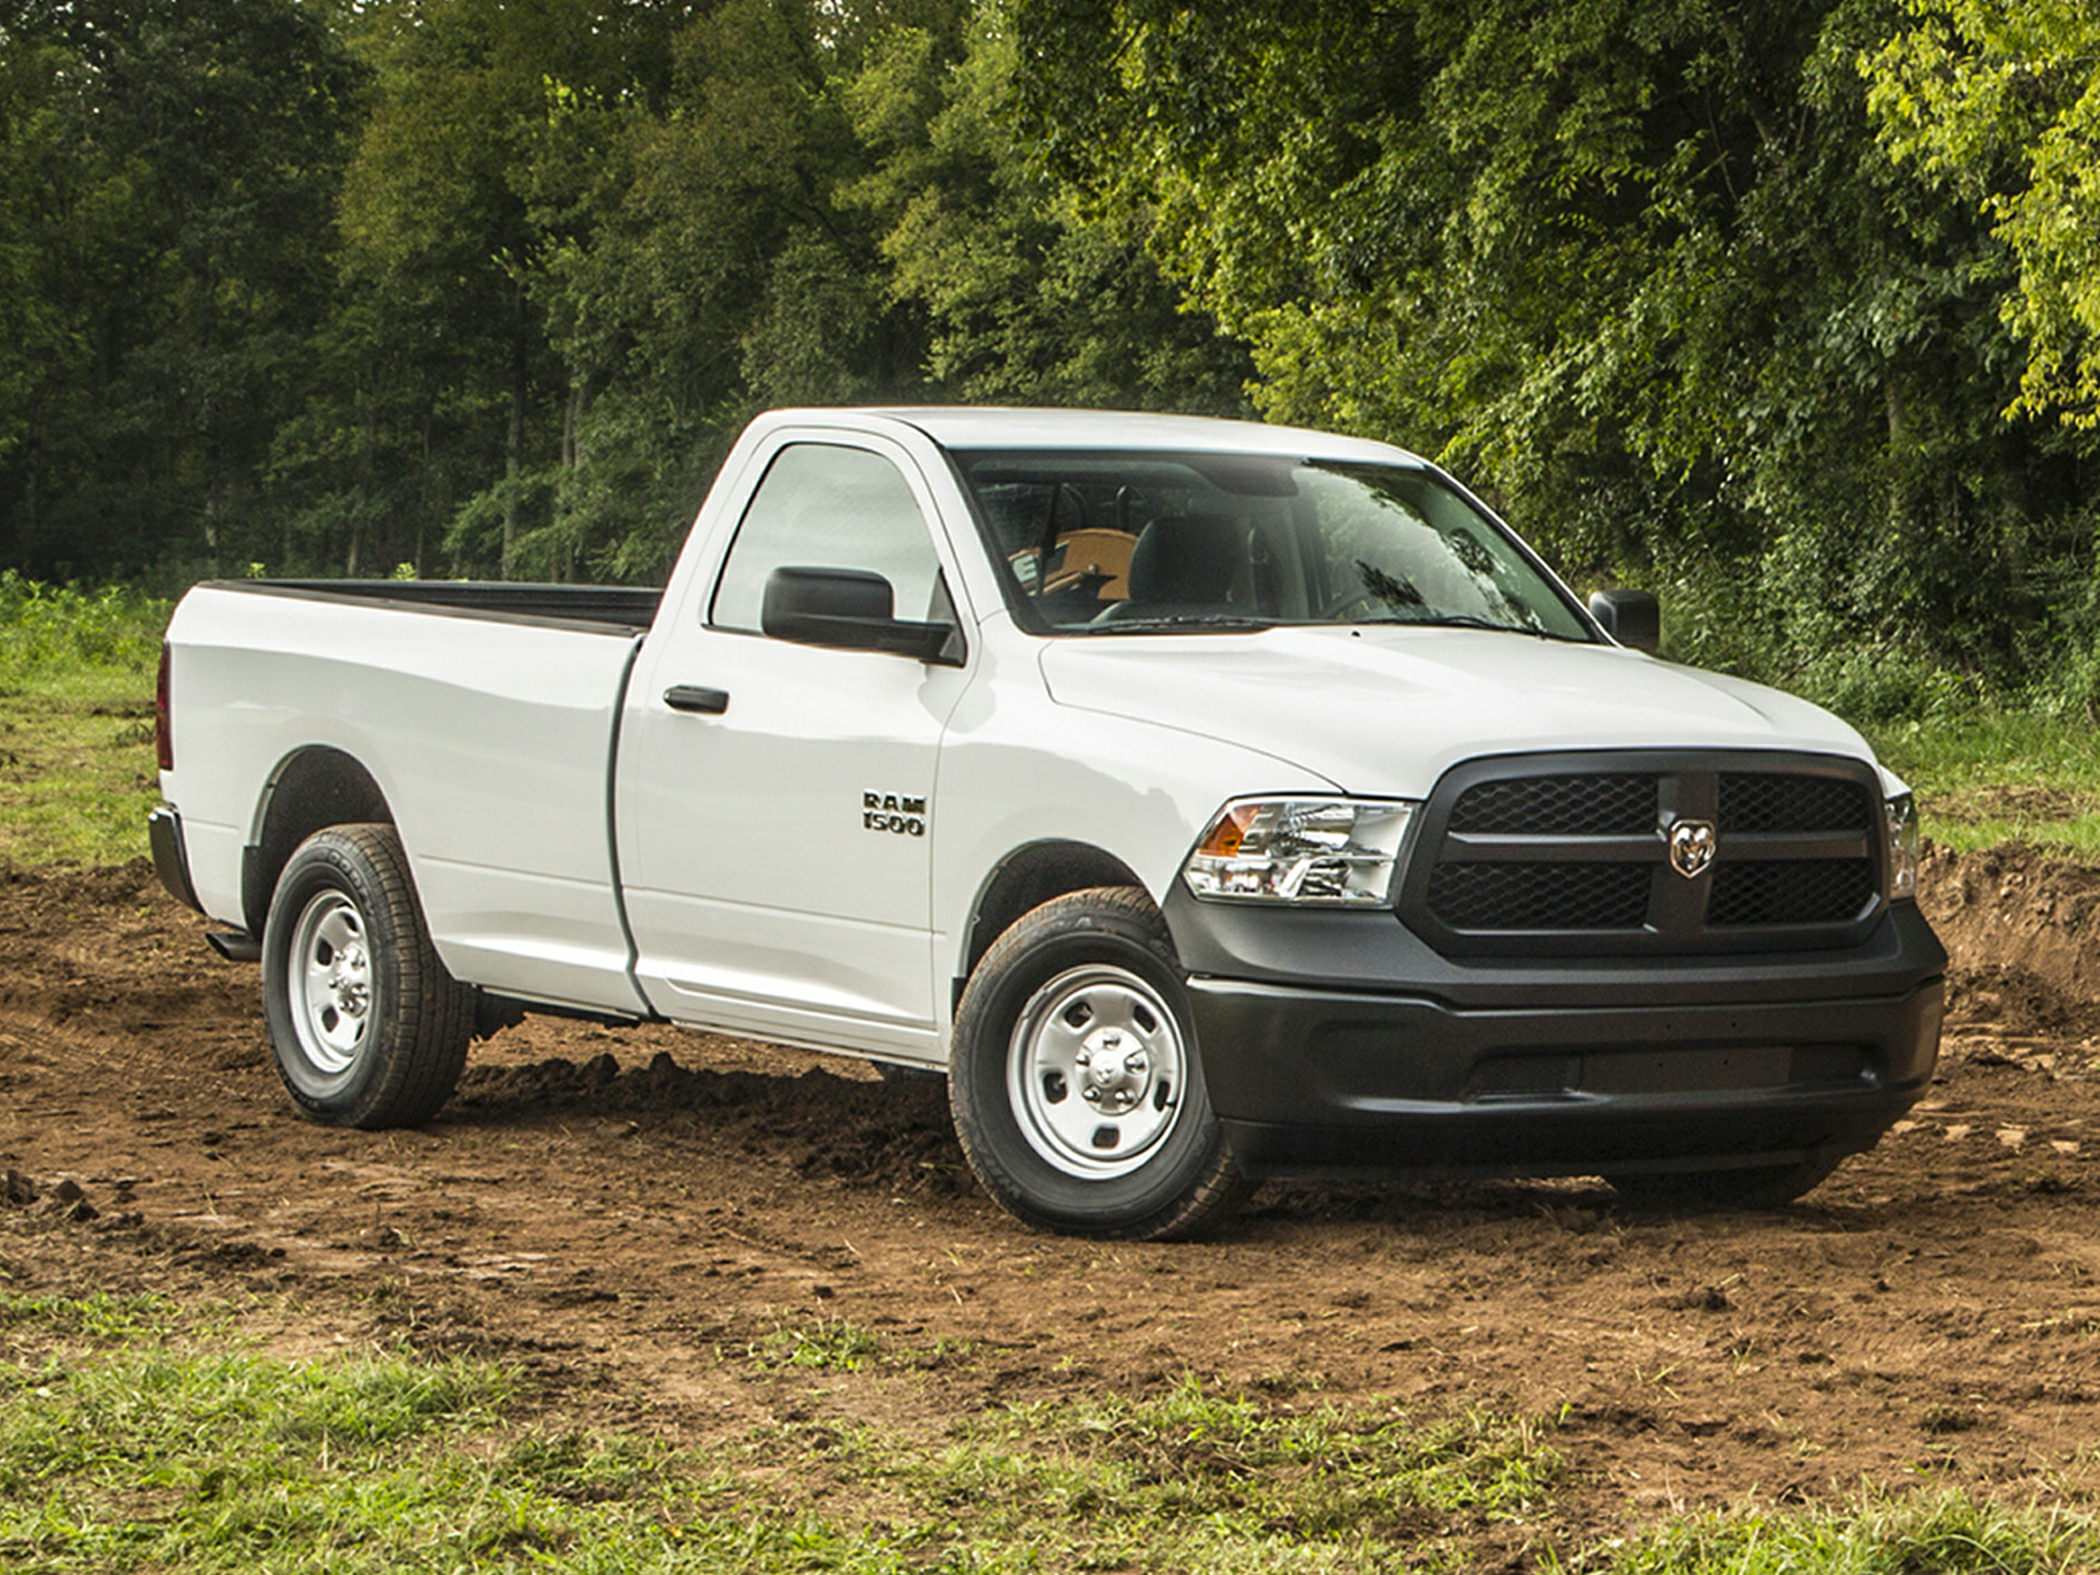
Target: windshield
{"type": "Point", "coordinates": [1128, 543]}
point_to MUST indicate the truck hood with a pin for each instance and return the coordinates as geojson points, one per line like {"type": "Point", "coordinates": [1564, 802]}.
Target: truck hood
{"type": "Point", "coordinates": [1387, 710]}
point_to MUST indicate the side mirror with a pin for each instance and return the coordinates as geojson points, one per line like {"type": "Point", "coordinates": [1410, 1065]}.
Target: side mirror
{"type": "Point", "coordinates": [1631, 617]}
{"type": "Point", "coordinates": [847, 610]}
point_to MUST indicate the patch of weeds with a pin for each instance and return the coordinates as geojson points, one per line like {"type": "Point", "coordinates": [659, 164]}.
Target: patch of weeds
{"type": "Point", "coordinates": [76, 702]}
{"type": "Point", "coordinates": [586, 1468]}
{"type": "Point", "coordinates": [103, 1316]}
{"type": "Point", "coordinates": [829, 1344]}
{"type": "Point", "coordinates": [1923, 1535]}
{"type": "Point", "coordinates": [65, 639]}
{"type": "Point", "coordinates": [948, 1353]}
{"type": "Point", "coordinates": [1194, 1479]}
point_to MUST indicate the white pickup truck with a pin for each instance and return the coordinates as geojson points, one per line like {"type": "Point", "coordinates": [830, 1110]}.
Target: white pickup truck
{"type": "Point", "coordinates": [1210, 800]}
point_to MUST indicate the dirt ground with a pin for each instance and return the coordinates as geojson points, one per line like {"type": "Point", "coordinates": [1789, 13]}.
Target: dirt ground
{"type": "Point", "coordinates": [624, 1214]}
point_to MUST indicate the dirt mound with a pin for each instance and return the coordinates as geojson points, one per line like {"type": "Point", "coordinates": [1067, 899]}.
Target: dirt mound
{"type": "Point", "coordinates": [823, 1124]}
{"type": "Point", "coordinates": [626, 1214]}
{"type": "Point", "coordinates": [2022, 931]}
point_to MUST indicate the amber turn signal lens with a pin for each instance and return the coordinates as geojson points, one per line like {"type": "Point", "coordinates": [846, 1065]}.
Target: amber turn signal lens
{"type": "Point", "coordinates": [1227, 832]}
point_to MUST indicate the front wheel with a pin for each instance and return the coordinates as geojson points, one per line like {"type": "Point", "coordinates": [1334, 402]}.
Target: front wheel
{"type": "Point", "coordinates": [1075, 1083]}
{"type": "Point", "coordinates": [366, 1026]}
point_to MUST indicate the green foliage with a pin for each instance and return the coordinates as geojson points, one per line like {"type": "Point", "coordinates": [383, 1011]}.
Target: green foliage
{"type": "Point", "coordinates": [1642, 272]}
{"type": "Point", "coordinates": [171, 230]}
{"type": "Point", "coordinates": [1732, 299]}
{"type": "Point", "coordinates": [59, 636]}
{"type": "Point", "coordinates": [1032, 294]}
{"type": "Point", "coordinates": [2001, 98]}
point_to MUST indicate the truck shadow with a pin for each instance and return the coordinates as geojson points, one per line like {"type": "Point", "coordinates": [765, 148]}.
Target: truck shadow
{"type": "Point", "coordinates": [896, 1135]}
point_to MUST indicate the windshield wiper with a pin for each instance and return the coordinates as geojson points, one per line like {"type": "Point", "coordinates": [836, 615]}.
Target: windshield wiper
{"type": "Point", "coordinates": [1238, 623]}
{"type": "Point", "coordinates": [1475, 621]}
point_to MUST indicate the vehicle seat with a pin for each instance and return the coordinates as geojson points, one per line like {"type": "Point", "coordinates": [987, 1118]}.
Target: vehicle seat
{"type": "Point", "coordinates": [1183, 563]}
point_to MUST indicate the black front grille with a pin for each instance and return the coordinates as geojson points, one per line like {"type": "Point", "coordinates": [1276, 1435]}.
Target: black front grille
{"type": "Point", "coordinates": [1768, 802]}
{"type": "Point", "coordinates": [1559, 806]}
{"type": "Point", "coordinates": [1540, 896]}
{"type": "Point", "coordinates": [1572, 854]}
{"type": "Point", "coordinates": [1789, 891]}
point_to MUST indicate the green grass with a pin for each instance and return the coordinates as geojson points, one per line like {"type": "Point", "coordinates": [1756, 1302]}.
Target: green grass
{"type": "Point", "coordinates": [1918, 1534]}
{"type": "Point", "coordinates": [2000, 778]}
{"type": "Point", "coordinates": [135, 1437]}
{"type": "Point", "coordinates": [835, 1344]}
{"type": "Point", "coordinates": [129, 1442]}
{"type": "Point", "coordinates": [77, 773]}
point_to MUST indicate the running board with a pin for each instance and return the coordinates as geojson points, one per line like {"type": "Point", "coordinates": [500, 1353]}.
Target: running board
{"type": "Point", "coordinates": [235, 945]}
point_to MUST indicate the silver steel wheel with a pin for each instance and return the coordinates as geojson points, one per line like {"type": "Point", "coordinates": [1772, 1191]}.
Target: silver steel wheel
{"type": "Point", "coordinates": [1095, 1072]}
{"type": "Point", "coordinates": [331, 982]}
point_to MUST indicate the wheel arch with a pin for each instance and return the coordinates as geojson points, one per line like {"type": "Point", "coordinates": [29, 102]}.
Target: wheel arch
{"type": "Point", "coordinates": [1027, 878]}
{"type": "Point", "coordinates": [311, 788]}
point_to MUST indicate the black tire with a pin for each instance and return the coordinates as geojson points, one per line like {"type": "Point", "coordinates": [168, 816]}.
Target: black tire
{"type": "Point", "coordinates": [1699, 1191]}
{"type": "Point", "coordinates": [1138, 1152]}
{"type": "Point", "coordinates": [366, 1026]}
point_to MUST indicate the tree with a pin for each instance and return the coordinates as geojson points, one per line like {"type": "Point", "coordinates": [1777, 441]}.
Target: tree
{"type": "Point", "coordinates": [1031, 293]}
{"type": "Point", "coordinates": [2002, 99]}
{"type": "Point", "coordinates": [1639, 269]}
{"type": "Point", "coordinates": [442, 400]}
{"type": "Point", "coordinates": [174, 168]}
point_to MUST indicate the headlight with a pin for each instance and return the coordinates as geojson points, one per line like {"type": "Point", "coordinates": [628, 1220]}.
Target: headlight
{"type": "Point", "coordinates": [1903, 846]}
{"type": "Point", "coordinates": [1334, 852]}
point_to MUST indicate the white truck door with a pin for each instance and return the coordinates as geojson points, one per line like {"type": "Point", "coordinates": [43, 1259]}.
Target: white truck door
{"type": "Point", "coordinates": [775, 802]}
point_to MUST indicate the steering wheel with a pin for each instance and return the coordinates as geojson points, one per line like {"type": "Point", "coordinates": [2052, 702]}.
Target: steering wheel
{"type": "Point", "coordinates": [1358, 596]}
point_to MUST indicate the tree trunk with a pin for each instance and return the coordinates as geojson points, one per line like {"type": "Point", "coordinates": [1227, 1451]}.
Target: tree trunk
{"type": "Point", "coordinates": [1899, 470]}
{"type": "Point", "coordinates": [211, 527]}
{"type": "Point", "coordinates": [514, 445]}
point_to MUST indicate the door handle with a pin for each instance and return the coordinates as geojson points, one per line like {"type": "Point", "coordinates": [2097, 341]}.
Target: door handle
{"type": "Point", "coordinates": [691, 697]}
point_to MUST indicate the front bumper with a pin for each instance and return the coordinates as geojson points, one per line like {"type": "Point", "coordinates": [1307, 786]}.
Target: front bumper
{"type": "Point", "coordinates": [1399, 1062]}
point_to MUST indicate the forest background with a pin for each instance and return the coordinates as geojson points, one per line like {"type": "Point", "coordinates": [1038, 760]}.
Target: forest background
{"type": "Point", "coordinates": [1785, 310]}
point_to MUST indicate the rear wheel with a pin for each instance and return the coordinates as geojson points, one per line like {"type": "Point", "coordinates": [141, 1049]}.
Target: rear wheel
{"type": "Point", "coordinates": [366, 1027]}
{"type": "Point", "coordinates": [1076, 1084]}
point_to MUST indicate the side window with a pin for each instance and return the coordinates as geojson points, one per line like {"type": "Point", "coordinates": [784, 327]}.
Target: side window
{"type": "Point", "coordinates": [825, 507]}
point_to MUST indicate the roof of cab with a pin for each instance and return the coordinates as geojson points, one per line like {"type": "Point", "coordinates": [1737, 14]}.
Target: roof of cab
{"type": "Point", "coordinates": [984, 427]}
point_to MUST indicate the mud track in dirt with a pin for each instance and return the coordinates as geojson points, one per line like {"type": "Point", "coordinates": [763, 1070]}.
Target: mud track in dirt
{"type": "Point", "coordinates": [624, 1214]}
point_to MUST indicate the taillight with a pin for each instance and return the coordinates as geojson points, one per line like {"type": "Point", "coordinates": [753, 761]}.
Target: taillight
{"type": "Point", "coordinates": [163, 733]}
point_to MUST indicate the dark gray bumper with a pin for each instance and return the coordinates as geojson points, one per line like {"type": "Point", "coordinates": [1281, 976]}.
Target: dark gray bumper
{"type": "Point", "coordinates": [1584, 1066]}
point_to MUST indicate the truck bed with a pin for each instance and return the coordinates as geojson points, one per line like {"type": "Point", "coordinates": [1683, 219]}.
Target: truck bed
{"type": "Point", "coordinates": [484, 716]}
